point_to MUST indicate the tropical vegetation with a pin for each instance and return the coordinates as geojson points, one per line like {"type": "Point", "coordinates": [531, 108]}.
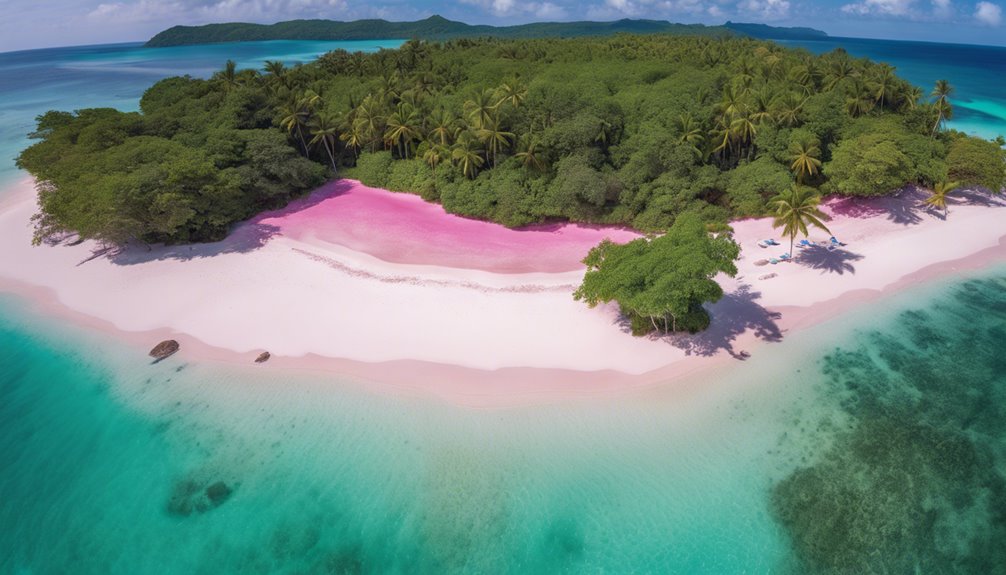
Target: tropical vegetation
{"type": "Point", "coordinates": [628, 130]}
{"type": "Point", "coordinates": [661, 283]}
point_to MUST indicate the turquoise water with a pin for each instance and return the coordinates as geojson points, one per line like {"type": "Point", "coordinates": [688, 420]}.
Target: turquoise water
{"type": "Point", "coordinates": [883, 432]}
{"type": "Point", "coordinates": [872, 443]}
{"type": "Point", "coordinates": [978, 74]}
{"type": "Point", "coordinates": [116, 75]}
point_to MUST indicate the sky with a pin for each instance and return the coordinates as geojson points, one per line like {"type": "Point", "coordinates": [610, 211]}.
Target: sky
{"type": "Point", "coordinates": [26, 24]}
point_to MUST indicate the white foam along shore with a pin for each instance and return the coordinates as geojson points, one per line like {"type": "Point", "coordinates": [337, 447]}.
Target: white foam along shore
{"type": "Point", "coordinates": [468, 333]}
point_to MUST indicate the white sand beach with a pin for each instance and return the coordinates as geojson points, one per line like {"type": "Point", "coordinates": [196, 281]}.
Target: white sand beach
{"type": "Point", "coordinates": [303, 284]}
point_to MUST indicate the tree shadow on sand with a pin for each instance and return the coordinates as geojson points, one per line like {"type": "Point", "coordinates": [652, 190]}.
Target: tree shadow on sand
{"type": "Point", "coordinates": [736, 313]}
{"type": "Point", "coordinates": [245, 238]}
{"type": "Point", "coordinates": [836, 261]}
{"type": "Point", "coordinates": [902, 208]}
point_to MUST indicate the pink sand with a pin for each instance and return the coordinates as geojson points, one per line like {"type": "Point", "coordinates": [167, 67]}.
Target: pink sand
{"type": "Point", "coordinates": [293, 283]}
{"type": "Point", "coordinates": [402, 228]}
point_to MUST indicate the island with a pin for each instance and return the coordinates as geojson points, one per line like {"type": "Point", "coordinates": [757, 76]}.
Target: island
{"type": "Point", "coordinates": [440, 28]}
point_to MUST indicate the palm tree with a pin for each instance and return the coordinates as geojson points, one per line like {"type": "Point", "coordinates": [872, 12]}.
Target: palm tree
{"type": "Point", "coordinates": [796, 208]}
{"type": "Point", "coordinates": [529, 153]}
{"type": "Point", "coordinates": [939, 198]}
{"type": "Point", "coordinates": [839, 70]}
{"type": "Point", "coordinates": [494, 136]}
{"type": "Point", "coordinates": [912, 97]}
{"type": "Point", "coordinates": [433, 154]}
{"type": "Point", "coordinates": [443, 126]}
{"type": "Point", "coordinates": [228, 77]}
{"type": "Point", "coordinates": [325, 130]}
{"type": "Point", "coordinates": [277, 71]}
{"type": "Point", "coordinates": [788, 110]}
{"type": "Point", "coordinates": [293, 118]}
{"type": "Point", "coordinates": [467, 153]}
{"type": "Point", "coordinates": [805, 155]}
{"type": "Point", "coordinates": [884, 84]}
{"type": "Point", "coordinates": [403, 129]}
{"type": "Point", "coordinates": [370, 121]}
{"type": "Point", "coordinates": [859, 100]}
{"type": "Point", "coordinates": [744, 130]}
{"type": "Point", "coordinates": [511, 92]}
{"type": "Point", "coordinates": [480, 107]}
{"type": "Point", "coordinates": [690, 132]}
{"type": "Point", "coordinates": [941, 91]}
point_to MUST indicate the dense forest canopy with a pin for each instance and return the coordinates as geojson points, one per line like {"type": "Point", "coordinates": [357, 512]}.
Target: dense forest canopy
{"type": "Point", "coordinates": [439, 28]}
{"type": "Point", "coordinates": [634, 130]}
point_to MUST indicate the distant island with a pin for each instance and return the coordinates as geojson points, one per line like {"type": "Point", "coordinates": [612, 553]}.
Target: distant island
{"type": "Point", "coordinates": [440, 28]}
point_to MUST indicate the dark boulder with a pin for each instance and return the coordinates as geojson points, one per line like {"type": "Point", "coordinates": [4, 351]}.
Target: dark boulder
{"type": "Point", "coordinates": [164, 349]}
{"type": "Point", "coordinates": [263, 357]}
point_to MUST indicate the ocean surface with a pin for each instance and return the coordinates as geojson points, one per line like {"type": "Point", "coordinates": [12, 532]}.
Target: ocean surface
{"type": "Point", "coordinates": [871, 443]}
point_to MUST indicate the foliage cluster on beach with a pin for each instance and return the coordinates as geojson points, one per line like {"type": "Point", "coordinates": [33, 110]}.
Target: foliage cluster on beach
{"type": "Point", "coordinates": [661, 284]}
{"type": "Point", "coordinates": [915, 481]}
{"type": "Point", "coordinates": [632, 130]}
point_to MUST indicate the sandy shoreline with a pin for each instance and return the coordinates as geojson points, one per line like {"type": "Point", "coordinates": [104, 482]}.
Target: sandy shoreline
{"type": "Point", "coordinates": [497, 331]}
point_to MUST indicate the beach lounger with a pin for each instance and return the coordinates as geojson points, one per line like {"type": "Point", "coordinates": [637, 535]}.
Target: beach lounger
{"type": "Point", "coordinates": [805, 244]}
{"type": "Point", "coordinates": [785, 257]}
{"type": "Point", "coordinates": [835, 242]}
{"type": "Point", "coordinates": [773, 261]}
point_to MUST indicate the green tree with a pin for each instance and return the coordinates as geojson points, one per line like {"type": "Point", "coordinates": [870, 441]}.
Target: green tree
{"type": "Point", "coordinates": [325, 130]}
{"type": "Point", "coordinates": [941, 101]}
{"type": "Point", "coordinates": [805, 158]}
{"type": "Point", "coordinates": [661, 283]}
{"type": "Point", "coordinates": [468, 155]}
{"type": "Point", "coordinates": [938, 199]}
{"type": "Point", "coordinates": [795, 210]}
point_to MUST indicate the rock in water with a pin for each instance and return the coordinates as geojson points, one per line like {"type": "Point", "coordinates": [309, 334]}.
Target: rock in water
{"type": "Point", "coordinates": [218, 493]}
{"type": "Point", "coordinates": [164, 349]}
{"type": "Point", "coordinates": [263, 357]}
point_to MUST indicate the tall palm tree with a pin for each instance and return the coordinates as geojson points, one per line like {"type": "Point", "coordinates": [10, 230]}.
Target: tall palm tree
{"type": "Point", "coordinates": [805, 155]}
{"type": "Point", "coordinates": [941, 92]}
{"type": "Point", "coordinates": [494, 137]}
{"type": "Point", "coordinates": [859, 100]}
{"type": "Point", "coordinates": [325, 130]}
{"type": "Point", "coordinates": [294, 117]}
{"type": "Point", "coordinates": [370, 119]}
{"type": "Point", "coordinates": [467, 153]}
{"type": "Point", "coordinates": [744, 130]}
{"type": "Point", "coordinates": [912, 97]}
{"type": "Point", "coordinates": [403, 129]}
{"type": "Point", "coordinates": [884, 85]}
{"type": "Point", "coordinates": [797, 208]}
{"type": "Point", "coordinates": [939, 198]}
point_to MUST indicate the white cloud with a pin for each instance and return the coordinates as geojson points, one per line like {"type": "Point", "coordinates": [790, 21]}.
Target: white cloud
{"type": "Point", "coordinates": [988, 14]}
{"type": "Point", "coordinates": [516, 8]}
{"type": "Point", "coordinates": [942, 8]}
{"type": "Point", "coordinates": [883, 7]}
{"type": "Point", "coordinates": [764, 9]}
{"type": "Point", "coordinates": [190, 11]}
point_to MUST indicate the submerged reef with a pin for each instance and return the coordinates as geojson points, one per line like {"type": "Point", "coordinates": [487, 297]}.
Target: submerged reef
{"type": "Point", "coordinates": [916, 483]}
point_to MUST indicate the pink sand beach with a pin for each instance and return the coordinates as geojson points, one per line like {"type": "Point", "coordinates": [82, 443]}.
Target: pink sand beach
{"type": "Point", "coordinates": [388, 289]}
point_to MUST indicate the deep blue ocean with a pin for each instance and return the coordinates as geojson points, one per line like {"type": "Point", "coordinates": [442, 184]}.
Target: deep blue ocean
{"type": "Point", "coordinates": [874, 443]}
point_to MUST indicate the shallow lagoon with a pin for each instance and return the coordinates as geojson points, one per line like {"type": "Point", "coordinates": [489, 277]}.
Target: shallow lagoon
{"type": "Point", "coordinates": [107, 459]}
